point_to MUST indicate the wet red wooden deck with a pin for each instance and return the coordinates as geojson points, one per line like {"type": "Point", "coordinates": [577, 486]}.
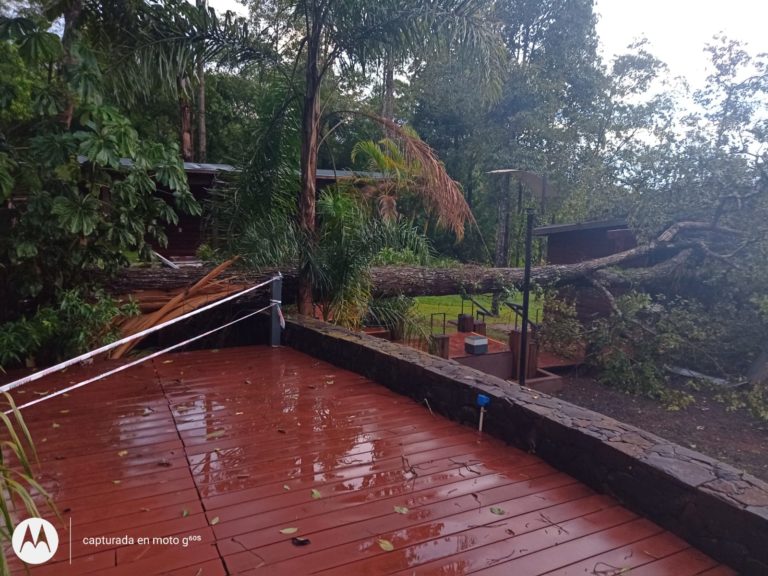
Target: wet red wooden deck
{"type": "Point", "coordinates": [234, 446]}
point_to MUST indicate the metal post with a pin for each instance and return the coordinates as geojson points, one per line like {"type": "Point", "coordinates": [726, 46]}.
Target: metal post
{"type": "Point", "coordinates": [277, 298]}
{"type": "Point", "coordinates": [530, 216]}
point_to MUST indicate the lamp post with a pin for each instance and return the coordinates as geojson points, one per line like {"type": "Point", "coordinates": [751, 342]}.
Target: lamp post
{"type": "Point", "coordinates": [523, 364]}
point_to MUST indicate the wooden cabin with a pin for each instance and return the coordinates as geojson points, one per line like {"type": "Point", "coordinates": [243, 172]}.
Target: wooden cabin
{"type": "Point", "coordinates": [185, 238]}
{"type": "Point", "coordinates": [582, 241]}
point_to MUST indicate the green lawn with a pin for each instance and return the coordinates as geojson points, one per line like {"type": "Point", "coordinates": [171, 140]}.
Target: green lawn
{"type": "Point", "coordinates": [451, 305]}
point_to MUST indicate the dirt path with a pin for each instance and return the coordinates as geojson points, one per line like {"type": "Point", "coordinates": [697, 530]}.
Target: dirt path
{"type": "Point", "coordinates": [706, 425]}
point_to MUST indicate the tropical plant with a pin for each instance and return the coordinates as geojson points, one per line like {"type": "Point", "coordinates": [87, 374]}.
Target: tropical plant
{"type": "Point", "coordinates": [413, 176]}
{"type": "Point", "coordinates": [350, 239]}
{"type": "Point", "coordinates": [80, 188]}
{"type": "Point", "coordinates": [348, 34]}
{"type": "Point", "coordinates": [18, 487]}
{"type": "Point", "coordinates": [74, 324]}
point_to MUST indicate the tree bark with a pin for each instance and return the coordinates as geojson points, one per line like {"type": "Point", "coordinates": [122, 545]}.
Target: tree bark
{"type": "Point", "coordinates": [421, 281]}
{"type": "Point", "coordinates": [310, 128]}
{"type": "Point", "coordinates": [388, 95]}
{"type": "Point", "coordinates": [185, 120]}
{"type": "Point", "coordinates": [202, 133]}
{"type": "Point", "coordinates": [71, 18]}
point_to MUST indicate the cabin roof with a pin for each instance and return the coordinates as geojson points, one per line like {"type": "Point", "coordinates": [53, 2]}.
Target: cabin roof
{"type": "Point", "coordinates": [577, 226]}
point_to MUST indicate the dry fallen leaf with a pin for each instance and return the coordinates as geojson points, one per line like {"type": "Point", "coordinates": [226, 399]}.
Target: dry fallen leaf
{"type": "Point", "coordinates": [215, 521]}
{"type": "Point", "coordinates": [167, 361]}
{"type": "Point", "coordinates": [385, 545]}
{"type": "Point", "coordinates": [184, 513]}
{"type": "Point", "coordinates": [291, 530]}
{"type": "Point", "coordinates": [55, 425]}
{"type": "Point", "coordinates": [316, 494]}
{"type": "Point", "coordinates": [216, 434]}
{"type": "Point", "coordinates": [122, 453]}
{"type": "Point", "coordinates": [498, 511]}
{"type": "Point", "coordinates": [286, 487]}
{"type": "Point", "coordinates": [401, 509]}
{"type": "Point", "coordinates": [115, 481]}
{"type": "Point", "coordinates": [63, 411]}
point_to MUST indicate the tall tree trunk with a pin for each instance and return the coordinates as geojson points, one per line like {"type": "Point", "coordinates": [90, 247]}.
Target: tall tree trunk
{"type": "Point", "coordinates": [388, 95]}
{"type": "Point", "coordinates": [202, 134]}
{"type": "Point", "coordinates": [71, 17]}
{"type": "Point", "coordinates": [310, 128]}
{"type": "Point", "coordinates": [185, 119]}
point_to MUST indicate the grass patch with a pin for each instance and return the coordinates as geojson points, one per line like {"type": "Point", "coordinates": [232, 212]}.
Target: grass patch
{"type": "Point", "coordinates": [452, 305]}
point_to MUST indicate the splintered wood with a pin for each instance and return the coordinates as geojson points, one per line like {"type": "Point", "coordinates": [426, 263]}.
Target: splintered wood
{"type": "Point", "coordinates": [158, 306]}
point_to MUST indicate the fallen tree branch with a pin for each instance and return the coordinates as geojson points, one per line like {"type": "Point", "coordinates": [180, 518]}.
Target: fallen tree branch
{"type": "Point", "coordinates": [644, 275]}
{"type": "Point", "coordinates": [410, 280]}
{"type": "Point", "coordinates": [671, 233]}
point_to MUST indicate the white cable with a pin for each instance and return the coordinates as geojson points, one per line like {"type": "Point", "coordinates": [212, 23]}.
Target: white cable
{"type": "Point", "coordinates": [112, 345]}
{"type": "Point", "coordinates": [135, 362]}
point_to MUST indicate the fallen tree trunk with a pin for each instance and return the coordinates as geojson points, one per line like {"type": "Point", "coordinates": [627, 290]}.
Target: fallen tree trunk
{"type": "Point", "coordinates": [422, 281]}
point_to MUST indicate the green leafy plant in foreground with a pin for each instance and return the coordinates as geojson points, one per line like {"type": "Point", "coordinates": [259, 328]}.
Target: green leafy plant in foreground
{"type": "Point", "coordinates": [17, 482]}
{"type": "Point", "coordinates": [77, 322]}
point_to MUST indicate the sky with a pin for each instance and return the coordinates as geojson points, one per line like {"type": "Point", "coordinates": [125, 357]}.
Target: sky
{"type": "Point", "coordinates": [677, 29]}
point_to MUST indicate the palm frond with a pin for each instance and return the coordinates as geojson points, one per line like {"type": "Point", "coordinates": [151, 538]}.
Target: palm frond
{"type": "Point", "coordinates": [441, 194]}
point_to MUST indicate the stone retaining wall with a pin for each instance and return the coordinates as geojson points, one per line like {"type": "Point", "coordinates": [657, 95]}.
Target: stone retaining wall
{"type": "Point", "coordinates": [717, 508]}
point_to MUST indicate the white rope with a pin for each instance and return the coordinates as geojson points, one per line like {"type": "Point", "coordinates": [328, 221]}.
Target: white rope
{"type": "Point", "coordinates": [136, 362]}
{"type": "Point", "coordinates": [113, 345]}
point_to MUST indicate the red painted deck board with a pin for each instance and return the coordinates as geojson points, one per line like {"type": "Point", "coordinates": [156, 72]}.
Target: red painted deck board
{"type": "Point", "coordinates": [227, 447]}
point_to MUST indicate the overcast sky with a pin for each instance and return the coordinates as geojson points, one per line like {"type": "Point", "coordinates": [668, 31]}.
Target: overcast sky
{"type": "Point", "coordinates": [677, 29]}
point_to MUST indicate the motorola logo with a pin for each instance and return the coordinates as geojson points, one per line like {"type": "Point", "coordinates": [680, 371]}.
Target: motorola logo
{"type": "Point", "coordinates": [35, 541]}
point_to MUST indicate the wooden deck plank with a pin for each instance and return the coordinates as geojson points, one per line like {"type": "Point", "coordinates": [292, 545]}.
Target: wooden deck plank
{"type": "Point", "coordinates": [626, 559]}
{"type": "Point", "coordinates": [343, 540]}
{"type": "Point", "coordinates": [229, 445]}
{"type": "Point", "coordinates": [688, 562]}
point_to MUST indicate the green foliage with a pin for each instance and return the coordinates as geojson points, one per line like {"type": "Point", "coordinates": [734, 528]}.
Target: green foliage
{"type": "Point", "coordinates": [80, 187]}
{"type": "Point", "coordinates": [399, 315]}
{"type": "Point", "coordinates": [632, 349]}
{"type": "Point", "coordinates": [753, 398]}
{"type": "Point", "coordinates": [561, 331]}
{"type": "Point", "coordinates": [17, 478]}
{"type": "Point", "coordinates": [349, 240]}
{"type": "Point", "coordinates": [75, 324]}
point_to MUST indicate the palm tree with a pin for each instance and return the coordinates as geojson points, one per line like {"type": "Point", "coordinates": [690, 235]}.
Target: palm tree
{"type": "Point", "coordinates": [353, 32]}
{"type": "Point", "coordinates": [411, 169]}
